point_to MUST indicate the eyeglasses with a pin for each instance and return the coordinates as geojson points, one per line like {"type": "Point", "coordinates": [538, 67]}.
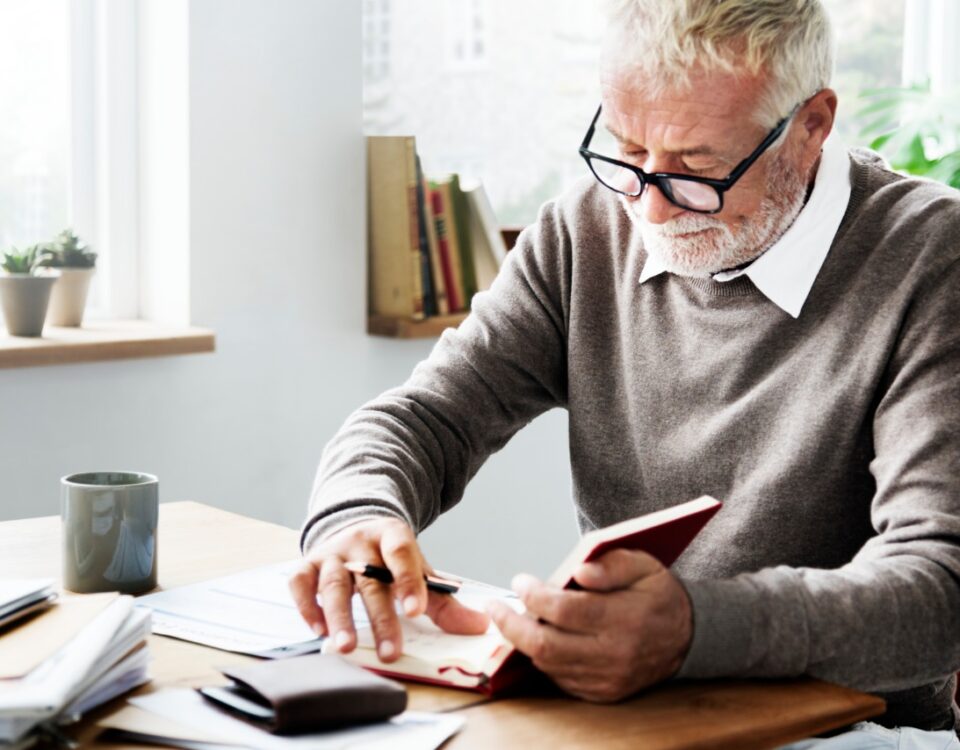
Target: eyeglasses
{"type": "Point", "coordinates": [701, 194]}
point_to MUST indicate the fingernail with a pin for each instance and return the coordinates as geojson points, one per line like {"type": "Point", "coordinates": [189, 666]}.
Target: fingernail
{"type": "Point", "coordinates": [387, 650]}
{"type": "Point", "coordinates": [592, 570]}
{"type": "Point", "coordinates": [410, 605]}
{"type": "Point", "coordinates": [319, 630]}
{"type": "Point", "coordinates": [521, 583]}
{"type": "Point", "coordinates": [342, 639]}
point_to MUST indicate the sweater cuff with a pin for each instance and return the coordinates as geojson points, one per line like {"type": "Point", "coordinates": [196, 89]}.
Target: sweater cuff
{"type": "Point", "coordinates": [722, 629]}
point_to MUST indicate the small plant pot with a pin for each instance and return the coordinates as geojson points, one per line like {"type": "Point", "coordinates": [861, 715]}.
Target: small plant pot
{"type": "Point", "coordinates": [24, 299]}
{"type": "Point", "coordinates": [69, 297]}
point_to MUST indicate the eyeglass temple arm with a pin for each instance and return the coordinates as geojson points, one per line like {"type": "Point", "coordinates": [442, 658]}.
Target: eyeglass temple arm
{"type": "Point", "coordinates": [764, 145]}
{"type": "Point", "coordinates": [590, 131]}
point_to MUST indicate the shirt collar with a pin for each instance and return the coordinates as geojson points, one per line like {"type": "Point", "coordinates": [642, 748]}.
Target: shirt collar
{"type": "Point", "coordinates": [785, 273]}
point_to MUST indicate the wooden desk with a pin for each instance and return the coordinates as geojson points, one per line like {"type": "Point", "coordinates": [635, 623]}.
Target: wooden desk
{"type": "Point", "coordinates": [198, 542]}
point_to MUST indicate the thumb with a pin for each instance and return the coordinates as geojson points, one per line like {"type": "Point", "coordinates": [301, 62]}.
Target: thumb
{"type": "Point", "coordinates": [453, 617]}
{"type": "Point", "coordinates": [617, 569]}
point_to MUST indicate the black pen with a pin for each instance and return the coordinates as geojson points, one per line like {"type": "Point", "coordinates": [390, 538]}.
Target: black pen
{"type": "Point", "coordinates": [377, 573]}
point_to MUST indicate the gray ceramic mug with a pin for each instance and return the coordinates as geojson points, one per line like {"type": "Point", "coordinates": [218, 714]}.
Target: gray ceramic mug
{"type": "Point", "coordinates": [109, 531]}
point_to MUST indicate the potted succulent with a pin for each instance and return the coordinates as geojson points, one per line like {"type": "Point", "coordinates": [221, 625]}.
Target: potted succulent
{"type": "Point", "coordinates": [76, 263]}
{"type": "Point", "coordinates": [24, 294]}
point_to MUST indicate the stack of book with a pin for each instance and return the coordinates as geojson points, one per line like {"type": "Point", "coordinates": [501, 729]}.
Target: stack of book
{"type": "Point", "coordinates": [58, 664]}
{"type": "Point", "coordinates": [433, 242]}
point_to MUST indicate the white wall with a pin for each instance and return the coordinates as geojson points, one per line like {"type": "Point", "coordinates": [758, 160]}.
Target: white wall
{"type": "Point", "coordinates": [276, 234]}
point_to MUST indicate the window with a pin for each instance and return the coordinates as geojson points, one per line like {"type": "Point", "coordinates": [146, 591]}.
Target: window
{"type": "Point", "coordinates": [35, 135]}
{"type": "Point", "coordinates": [513, 114]}
{"type": "Point", "coordinates": [68, 147]}
{"type": "Point", "coordinates": [464, 33]}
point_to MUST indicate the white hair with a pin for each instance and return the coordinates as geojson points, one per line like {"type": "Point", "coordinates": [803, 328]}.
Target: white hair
{"type": "Point", "coordinates": [790, 42]}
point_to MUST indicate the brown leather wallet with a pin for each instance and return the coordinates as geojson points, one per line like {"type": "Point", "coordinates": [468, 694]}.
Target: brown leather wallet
{"type": "Point", "coordinates": [307, 694]}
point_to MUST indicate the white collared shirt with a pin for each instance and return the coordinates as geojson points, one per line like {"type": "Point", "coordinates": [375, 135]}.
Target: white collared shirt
{"type": "Point", "coordinates": [785, 273]}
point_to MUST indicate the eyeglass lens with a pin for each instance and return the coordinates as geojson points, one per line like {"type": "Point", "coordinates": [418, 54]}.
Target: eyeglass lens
{"type": "Point", "coordinates": [686, 193]}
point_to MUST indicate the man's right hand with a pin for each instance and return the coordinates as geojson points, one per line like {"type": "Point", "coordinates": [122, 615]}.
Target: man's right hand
{"type": "Point", "coordinates": [390, 543]}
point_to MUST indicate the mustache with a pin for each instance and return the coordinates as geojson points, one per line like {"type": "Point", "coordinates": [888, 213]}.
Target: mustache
{"type": "Point", "coordinates": [684, 225]}
{"type": "Point", "coordinates": [687, 224]}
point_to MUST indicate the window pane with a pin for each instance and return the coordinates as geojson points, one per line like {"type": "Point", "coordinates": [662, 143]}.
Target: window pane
{"type": "Point", "coordinates": [869, 54]}
{"type": "Point", "coordinates": [498, 91]}
{"type": "Point", "coordinates": [34, 127]}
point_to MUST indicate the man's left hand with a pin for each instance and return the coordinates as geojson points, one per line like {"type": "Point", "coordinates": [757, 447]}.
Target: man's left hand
{"type": "Point", "coordinates": [628, 628]}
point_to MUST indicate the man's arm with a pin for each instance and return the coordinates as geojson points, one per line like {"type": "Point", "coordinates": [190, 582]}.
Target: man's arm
{"type": "Point", "coordinates": [889, 619]}
{"type": "Point", "coordinates": [410, 452]}
{"type": "Point", "coordinates": [405, 457]}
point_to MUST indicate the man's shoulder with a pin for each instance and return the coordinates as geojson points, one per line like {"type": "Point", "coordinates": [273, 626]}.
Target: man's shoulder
{"type": "Point", "coordinates": [914, 218]}
{"type": "Point", "coordinates": [585, 206]}
{"type": "Point", "coordinates": [879, 184]}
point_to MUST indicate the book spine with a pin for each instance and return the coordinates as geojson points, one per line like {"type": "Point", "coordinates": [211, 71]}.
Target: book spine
{"type": "Point", "coordinates": [443, 245]}
{"type": "Point", "coordinates": [429, 288]}
{"type": "Point", "coordinates": [436, 264]}
{"type": "Point", "coordinates": [464, 244]}
{"type": "Point", "coordinates": [450, 228]}
{"type": "Point", "coordinates": [388, 230]}
{"type": "Point", "coordinates": [414, 230]}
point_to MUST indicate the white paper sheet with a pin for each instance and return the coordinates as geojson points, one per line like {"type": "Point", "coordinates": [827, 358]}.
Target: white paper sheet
{"type": "Point", "coordinates": [248, 613]}
{"type": "Point", "coordinates": [409, 731]}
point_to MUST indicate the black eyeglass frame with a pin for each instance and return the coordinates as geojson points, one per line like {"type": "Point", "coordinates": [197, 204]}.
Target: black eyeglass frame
{"type": "Point", "coordinates": [658, 178]}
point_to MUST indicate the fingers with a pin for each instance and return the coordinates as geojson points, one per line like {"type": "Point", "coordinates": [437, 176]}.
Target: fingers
{"type": "Point", "coordinates": [303, 589]}
{"type": "Point", "coordinates": [617, 569]}
{"type": "Point", "coordinates": [384, 623]}
{"type": "Point", "coordinates": [452, 616]}
{"type": "Point", "coordinates": [402, 556]}
{"type": "Point", "coordinates": [336, 590]}
{"type": "Point", "coordinates": [574, 611]}
{"type": "Point", "coordinates": [550, 649]}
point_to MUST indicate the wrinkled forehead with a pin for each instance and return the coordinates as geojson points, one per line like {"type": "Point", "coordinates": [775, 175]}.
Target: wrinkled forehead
{"type": "Point", "coordinates": [715, 106]}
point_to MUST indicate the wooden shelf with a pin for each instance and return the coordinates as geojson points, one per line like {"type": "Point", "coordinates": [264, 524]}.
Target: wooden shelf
{"type": "Point", "coordinates": [405, 328]}
{"type": "Point", "coordinates": [431, 328]}
{"type": "Point", "coordinates": [98, 341]}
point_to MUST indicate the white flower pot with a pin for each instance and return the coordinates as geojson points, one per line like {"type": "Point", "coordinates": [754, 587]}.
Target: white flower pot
{"type": "Point", "coordinates": [24, 299]}
{"type": "Point", "coordinates": [69, 297]}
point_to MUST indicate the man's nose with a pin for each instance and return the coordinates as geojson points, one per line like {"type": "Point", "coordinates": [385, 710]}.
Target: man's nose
{"type": "Point", "coordinates": [654, 206]}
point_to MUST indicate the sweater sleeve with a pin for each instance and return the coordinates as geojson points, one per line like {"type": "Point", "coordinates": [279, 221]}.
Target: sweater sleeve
{"type": "Point", "coordinates": [410, 452]}
{"type": "Point", "coordinates": [889, 619]}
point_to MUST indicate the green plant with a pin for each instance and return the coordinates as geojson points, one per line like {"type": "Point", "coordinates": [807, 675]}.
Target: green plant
{"type": "Point", "coordinates": [67, 251]}
{"type": "Point", "coordinates": [916, 129]}
{"type": "Point", "coordinates": [26, 261]}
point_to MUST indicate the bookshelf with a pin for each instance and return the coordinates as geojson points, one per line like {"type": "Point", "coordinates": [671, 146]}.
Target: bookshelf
{"type": "Point", "coordinates": [432, 327]}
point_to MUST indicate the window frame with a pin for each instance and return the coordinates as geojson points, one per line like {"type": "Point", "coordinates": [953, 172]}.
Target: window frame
{"type": "Point", "coordinates": [104, 152]}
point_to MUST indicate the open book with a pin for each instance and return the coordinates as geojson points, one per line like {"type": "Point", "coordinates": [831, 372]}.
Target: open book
{"type": "Point", "coordinates": [488, 662]}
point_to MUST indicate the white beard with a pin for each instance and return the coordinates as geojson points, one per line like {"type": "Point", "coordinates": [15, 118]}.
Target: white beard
{"type": "Point", "coordinates": [712, 245]}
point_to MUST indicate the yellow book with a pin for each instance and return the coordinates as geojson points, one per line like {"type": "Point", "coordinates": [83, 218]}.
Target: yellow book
{"type": "Point", "coordinates": [393, 231]}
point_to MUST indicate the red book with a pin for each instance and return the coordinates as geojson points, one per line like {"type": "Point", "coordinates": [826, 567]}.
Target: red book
{"type": "Point", "coordinates": [440, 214]}
{"type": "Point", "coordinates": [488, 663]}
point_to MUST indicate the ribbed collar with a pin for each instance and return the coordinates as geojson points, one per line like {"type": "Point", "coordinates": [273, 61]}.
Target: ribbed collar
{"type": "Point", "coordinates": [786, 272]}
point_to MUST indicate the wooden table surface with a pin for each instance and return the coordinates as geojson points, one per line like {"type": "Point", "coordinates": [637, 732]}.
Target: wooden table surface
{"type": "Point", "coordinates": [196, 542]}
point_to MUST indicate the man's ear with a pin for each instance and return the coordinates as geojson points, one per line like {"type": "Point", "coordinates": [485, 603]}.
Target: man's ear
{"type": "Point", "coordinates": [816, 120]}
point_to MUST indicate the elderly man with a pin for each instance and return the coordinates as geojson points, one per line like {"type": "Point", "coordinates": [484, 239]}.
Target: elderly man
{"type": "Point", "coordinates": [731, 304]}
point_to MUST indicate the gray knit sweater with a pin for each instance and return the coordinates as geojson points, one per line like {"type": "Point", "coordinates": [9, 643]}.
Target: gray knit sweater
{"type": "Point", "coordinates": [833, 439]}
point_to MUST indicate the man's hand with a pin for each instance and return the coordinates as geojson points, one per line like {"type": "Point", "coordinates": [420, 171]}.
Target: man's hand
{"type": "Point", "coordinates": [386, 542]}
{"type": "Point", "coordinates": [630, 627]}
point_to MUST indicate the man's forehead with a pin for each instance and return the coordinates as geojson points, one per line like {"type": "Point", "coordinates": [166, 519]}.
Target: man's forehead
{"type": "Point", "coordinates": [694, 120]}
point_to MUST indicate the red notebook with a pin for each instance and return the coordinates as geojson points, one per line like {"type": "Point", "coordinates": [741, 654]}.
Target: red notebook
{"type": "Point", "coordinates": [488, 663]}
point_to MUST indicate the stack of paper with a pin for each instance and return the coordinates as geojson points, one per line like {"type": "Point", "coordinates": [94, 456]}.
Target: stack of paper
{"type": "Point", "coordinates": [80, 653]}
{"type": "Point", "coordinates": [21, 598]}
